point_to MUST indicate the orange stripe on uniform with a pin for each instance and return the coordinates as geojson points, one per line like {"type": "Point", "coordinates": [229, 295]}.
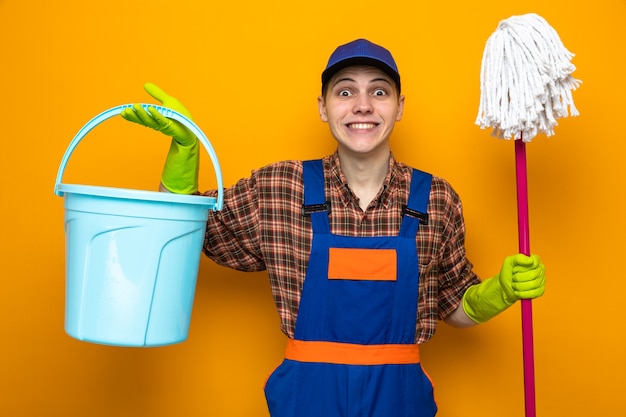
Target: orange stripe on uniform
{"type": "Point", "coordinates": [352, 354]}
{"type": "Point", "coordinates": [362, 264]}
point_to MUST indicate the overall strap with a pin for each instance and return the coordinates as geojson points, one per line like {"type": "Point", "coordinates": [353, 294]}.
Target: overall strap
{"type": "Point", "coordinates": [415, 212]}
{"type": "Point", "coordinates": [315, 204]}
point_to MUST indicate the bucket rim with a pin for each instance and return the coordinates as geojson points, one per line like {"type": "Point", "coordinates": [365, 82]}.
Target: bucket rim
{"type": "Point", "coordinates": [143, 195]}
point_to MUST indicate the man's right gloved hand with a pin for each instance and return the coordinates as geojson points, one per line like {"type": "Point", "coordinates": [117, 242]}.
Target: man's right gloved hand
{"type": "Point", "coordinates": [180, 173]}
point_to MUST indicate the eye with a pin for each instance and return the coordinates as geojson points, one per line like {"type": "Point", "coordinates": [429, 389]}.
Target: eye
{"type": "Point", "coordinates": [380, 92]}
{"type": "Point", "coordinates": [344, 93]}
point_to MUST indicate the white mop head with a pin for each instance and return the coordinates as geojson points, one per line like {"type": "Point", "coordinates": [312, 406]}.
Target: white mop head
{"type": "Point", "coordinates": [525, 79]}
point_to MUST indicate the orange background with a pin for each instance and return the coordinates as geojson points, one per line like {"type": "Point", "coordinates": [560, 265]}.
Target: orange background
{"type": "Point", "coordinates": [249, 72]}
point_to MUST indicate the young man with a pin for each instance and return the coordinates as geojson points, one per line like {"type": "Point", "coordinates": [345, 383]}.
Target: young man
{"type": "Point", "coordinates": [364, 253]}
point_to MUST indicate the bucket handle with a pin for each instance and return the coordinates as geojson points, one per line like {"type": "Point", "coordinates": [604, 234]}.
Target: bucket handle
{"type": "Point", "coordinates": [169, 113]}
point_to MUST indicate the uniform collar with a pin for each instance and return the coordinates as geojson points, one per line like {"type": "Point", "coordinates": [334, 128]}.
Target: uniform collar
{"type": "Point", "coordinates": [338, 180]}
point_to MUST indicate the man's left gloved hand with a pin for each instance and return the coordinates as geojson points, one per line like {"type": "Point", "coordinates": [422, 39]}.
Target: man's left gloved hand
{"type": "Point", "coordinates": [521, 277]}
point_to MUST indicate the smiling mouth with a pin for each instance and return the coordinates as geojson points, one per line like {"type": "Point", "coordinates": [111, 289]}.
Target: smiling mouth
{"type": "Point", "coordinates": [361, 126]}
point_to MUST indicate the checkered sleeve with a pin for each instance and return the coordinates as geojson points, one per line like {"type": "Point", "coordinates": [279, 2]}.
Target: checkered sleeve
{"type": "Point", "coordinates": [261, 227]}
{"type": "Point", "coordinates": [455, 270]}
{"type": "Point", "coordinates": [232, 234]}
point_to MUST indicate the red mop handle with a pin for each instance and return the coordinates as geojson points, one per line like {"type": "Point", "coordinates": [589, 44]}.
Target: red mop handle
{"type": "Point", "coordinates": [524, 248]}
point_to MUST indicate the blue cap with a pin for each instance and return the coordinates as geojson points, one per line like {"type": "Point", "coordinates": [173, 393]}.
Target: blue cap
{"type": "Point", "coordinates": [360, 52]}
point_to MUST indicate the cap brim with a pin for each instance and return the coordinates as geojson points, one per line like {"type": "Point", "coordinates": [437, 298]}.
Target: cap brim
{"type": "Point", "coordinates": [334, 69]}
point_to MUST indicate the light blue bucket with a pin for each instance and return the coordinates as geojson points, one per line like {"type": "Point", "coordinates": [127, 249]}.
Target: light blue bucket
{"type": "Point", "coordinates": [132, 256]}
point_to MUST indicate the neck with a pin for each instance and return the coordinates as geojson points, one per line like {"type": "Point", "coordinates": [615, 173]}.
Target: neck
{"type": "Point", "coordinates": [365, 174]}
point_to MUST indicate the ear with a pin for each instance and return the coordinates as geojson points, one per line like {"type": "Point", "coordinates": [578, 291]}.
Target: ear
{"type": "Point", "coordinates": [400, 108]}
{"type": "Point", "coordinates": [321, 105]}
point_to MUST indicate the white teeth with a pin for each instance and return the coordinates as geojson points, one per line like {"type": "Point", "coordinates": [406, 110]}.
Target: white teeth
{"type": "Point", "coordinates": [362, 125]}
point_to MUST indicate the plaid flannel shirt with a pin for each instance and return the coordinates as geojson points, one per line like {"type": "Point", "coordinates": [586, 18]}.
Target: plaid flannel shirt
{"type": "Point", "coordinates": [261, 227]}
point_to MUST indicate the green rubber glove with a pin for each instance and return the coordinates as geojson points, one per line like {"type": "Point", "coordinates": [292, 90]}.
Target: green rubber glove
{"type": "Point", "coordinates": [180, 173]}
{"type": "Point", "coordinates": [520, 277]}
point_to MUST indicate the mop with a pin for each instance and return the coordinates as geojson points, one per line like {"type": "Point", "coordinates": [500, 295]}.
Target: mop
{"type": "Point", "coordinates": [526, 85]}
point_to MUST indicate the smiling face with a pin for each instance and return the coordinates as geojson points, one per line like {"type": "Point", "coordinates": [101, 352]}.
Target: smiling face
{"type": "Point", "coordinates": [361, 105]}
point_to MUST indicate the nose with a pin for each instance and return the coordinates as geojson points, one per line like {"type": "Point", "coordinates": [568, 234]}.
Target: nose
{"type": "Point", "coordinates": [363, 104]}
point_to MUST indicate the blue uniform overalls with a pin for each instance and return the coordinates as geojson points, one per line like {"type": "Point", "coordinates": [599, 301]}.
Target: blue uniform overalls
{"type": "Point", "coordinates": [354, 353]}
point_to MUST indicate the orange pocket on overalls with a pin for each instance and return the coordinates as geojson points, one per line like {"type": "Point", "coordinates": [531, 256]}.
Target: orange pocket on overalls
{"type": "Point", "coordinates": [362, 264]}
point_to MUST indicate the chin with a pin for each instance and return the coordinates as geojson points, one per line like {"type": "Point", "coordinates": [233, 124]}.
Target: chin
{"type": "Point", "coordinates": [366, 150]}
